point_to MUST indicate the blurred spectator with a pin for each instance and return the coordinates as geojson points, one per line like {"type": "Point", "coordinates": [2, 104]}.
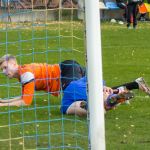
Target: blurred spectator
{"type": "Point", "coordinates": [142, 16]}
{"type": "Point", "coordinates": [142, 10]}
{"type": "Point", "coordinates": [132, 10]}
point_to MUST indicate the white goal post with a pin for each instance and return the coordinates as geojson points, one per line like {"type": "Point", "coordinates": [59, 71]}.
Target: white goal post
{"type": "Point", "coordinates": [95, 87]}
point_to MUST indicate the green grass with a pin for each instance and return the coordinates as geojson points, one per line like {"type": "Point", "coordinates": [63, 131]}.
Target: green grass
{"type": "Point", "coordinates": [125, 57]}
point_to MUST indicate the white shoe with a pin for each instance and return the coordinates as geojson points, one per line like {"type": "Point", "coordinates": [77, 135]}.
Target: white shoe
{"type": "Point", "coordinates": [113, 21]}
{"type": "Point", "coordinates": [121, 22]}
{"type": "Point", "coordinates": [143, 85]}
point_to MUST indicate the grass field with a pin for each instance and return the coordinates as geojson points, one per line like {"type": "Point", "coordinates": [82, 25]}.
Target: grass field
{"type": "Point", "coordinates": [41, 126]}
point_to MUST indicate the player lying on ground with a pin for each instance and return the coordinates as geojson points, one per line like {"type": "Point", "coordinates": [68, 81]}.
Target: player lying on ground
{"type": "Point", "coordinates": [75, 95]}
{"type": "Point", "coordinates": [36, 76]}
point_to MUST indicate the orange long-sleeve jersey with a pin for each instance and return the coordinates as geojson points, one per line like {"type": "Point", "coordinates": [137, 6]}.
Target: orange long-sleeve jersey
{"type": "Point", "coordinates": [39, 77]}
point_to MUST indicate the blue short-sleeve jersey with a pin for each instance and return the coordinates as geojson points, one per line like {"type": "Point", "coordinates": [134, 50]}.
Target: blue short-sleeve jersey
{"type": "Point", "coordinates": [75, 91]}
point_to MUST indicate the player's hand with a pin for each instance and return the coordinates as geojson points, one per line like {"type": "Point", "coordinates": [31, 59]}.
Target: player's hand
{"type": "Point", "coordinates": [107, 90]}
{"type": "Point", "coordinates": [2, 101]}
{"type": "Point", "coordinates": [105, 95]}
{"type": "Point", "coordinates": [1, 104]}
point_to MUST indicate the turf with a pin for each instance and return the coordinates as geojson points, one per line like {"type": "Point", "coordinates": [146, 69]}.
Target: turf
{"type": "Point", "coordinates": [41, 126]}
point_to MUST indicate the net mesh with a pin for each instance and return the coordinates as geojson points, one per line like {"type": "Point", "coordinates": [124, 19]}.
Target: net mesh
{"type": "Point", "coordinates": [40, 32]}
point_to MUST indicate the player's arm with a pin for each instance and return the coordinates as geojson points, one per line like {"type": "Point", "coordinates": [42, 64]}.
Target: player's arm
{"type": "Point", "coordinates": [28, 92]}
{"type": "Point", "coordinates": [12, 102]}
{"type": "Point", "coordinates": [28, 87]}
{"type": "Point", "coordinates": [26, 99]}
{"type": "Point", "coordinates": [27, 80]}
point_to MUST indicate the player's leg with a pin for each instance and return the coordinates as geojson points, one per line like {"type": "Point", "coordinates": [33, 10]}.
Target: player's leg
{"type": "Point", "coordinates": [139, 83]}
{"type": "Point", "coordinates": [129, 13]}
{"type": "Point", "coordinates": [77, 108]}
{"type": "Point", "coordinates": [135, 12]}
{"type": "Point", "coordinates": [128, 86]}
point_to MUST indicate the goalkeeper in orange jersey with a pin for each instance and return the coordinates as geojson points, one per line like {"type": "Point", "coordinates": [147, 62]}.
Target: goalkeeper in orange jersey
{"type": "Point", "coordinates": [39, 77]}
{"type": "Point", "coordinates": [52, 78]}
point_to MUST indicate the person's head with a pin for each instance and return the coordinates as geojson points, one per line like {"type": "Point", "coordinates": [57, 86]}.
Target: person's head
{"type": "Point", "coordinates": [9, 66]}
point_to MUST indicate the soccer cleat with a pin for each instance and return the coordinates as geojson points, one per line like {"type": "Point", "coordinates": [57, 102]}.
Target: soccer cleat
{"type": "Point", "coordinates": [115, 99]}
{"type": "Point", "coordinates": [143, 85]}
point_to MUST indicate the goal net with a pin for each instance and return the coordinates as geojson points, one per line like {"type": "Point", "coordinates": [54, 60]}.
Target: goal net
{"type": "Point", "coordinates": [41, 31]}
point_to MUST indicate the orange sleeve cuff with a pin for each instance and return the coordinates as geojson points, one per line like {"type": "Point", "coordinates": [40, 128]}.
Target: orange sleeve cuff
{"type": "Point", "coordinates": [28, 92]}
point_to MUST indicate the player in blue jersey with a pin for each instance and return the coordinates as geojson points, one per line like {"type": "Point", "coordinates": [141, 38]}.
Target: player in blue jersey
{"type": "Point", "coordinates": [75, 95]}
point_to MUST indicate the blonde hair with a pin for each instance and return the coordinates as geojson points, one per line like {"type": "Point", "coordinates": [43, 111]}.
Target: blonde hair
{"type": "Point", "coordinates": [6, 57]}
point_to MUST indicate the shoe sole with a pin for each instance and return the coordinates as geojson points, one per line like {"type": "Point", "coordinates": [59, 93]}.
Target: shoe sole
{"type": "Point", "coordinates": [145, 86]}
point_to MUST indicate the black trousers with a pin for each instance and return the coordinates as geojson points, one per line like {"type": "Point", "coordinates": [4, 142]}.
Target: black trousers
{"type": "Point", "coordinates": [132, 10]}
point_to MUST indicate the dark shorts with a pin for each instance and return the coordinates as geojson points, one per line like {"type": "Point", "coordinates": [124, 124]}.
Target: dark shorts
{"type": "Point", "coordinates": [70, 71]}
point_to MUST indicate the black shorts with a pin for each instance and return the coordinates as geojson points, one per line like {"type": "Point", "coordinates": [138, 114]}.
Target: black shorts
{"type": "Point", "coordinates": [70, 71]}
